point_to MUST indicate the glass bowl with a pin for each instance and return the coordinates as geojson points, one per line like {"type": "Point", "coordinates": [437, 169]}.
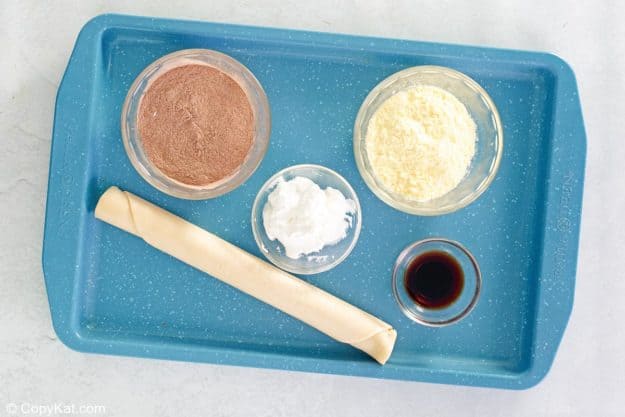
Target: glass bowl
{"type": "Point", "coordinates": [458, 309]}
{"type": "Point", "coordinates": [488, 149]}
{"type": "Point", "coordinates": [132, 140]}
{"type": "Point", "coordinates": [328, 257]}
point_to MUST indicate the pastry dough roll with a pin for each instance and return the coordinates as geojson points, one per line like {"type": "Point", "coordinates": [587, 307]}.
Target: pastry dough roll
{"type": "Point", "coordinates": [232, 265]}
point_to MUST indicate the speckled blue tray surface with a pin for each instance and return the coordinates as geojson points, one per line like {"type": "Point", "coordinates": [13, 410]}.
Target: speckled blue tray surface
{"type": "Point", "coordinates": [111, 293]}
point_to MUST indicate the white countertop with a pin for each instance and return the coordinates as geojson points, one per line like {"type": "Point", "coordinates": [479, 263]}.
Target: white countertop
{"type": "Point", "coordinates": [588, 375]}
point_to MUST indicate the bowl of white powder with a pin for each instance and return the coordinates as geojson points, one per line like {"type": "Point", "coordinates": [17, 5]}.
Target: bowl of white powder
{"type": "Point", "coordinates": [306, 219]}
{"type": "Point", "coordinates": [428, 140]}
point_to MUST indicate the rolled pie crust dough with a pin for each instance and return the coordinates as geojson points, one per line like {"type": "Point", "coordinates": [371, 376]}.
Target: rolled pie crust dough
{"type": "Point", "coordinates": [232, 265]}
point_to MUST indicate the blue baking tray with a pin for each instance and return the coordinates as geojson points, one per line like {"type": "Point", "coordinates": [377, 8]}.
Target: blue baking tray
{"type": "Point", "coordinates": [111, 293]}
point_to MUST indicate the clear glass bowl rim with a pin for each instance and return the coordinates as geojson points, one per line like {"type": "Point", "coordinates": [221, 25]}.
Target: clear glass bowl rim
{"type": "Point", "coordinates": [256, 223]}
{"type": "Point", "coordinates": [405, 205]}
{"type": "Point", "coordinates": [176, 188]}
{"type": "Point", "coordinates": [396, 282]}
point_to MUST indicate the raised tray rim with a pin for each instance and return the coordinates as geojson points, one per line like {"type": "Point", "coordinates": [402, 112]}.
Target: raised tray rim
{"type": "Point", "coordinates": [563, 212]}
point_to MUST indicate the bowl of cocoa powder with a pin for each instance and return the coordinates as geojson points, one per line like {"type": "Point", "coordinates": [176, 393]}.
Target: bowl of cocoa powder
{"type": "Point", "coordinates": [195, 124]}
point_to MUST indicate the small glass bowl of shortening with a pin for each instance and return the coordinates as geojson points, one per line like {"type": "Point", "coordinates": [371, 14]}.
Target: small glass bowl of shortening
{"type": "Point", "coordinates": [428, 140]}
{"type": "Point", "coordinates": [306, 219]}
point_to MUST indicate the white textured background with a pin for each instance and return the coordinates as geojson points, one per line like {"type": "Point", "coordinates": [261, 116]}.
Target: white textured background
{"type": "Point", "coordinates": [588, 376]}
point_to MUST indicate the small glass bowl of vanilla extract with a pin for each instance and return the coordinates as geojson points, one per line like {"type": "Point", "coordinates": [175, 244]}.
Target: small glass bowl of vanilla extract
{"type": "Point", "coordinates": [436, 282]}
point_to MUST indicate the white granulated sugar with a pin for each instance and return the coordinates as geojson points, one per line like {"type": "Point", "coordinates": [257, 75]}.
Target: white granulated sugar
{"type": "Point", "coordinates": [305, 218]}
{"type": "Point", "coordinates": [420, 142]}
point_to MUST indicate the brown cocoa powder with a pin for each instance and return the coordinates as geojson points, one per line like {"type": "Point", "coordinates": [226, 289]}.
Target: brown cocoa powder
{"type": "Point", "coordinates": [196, 124]}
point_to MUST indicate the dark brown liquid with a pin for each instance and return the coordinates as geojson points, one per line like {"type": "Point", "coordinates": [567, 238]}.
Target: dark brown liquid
{"type": "Point", "coordinates": [434, 279]}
